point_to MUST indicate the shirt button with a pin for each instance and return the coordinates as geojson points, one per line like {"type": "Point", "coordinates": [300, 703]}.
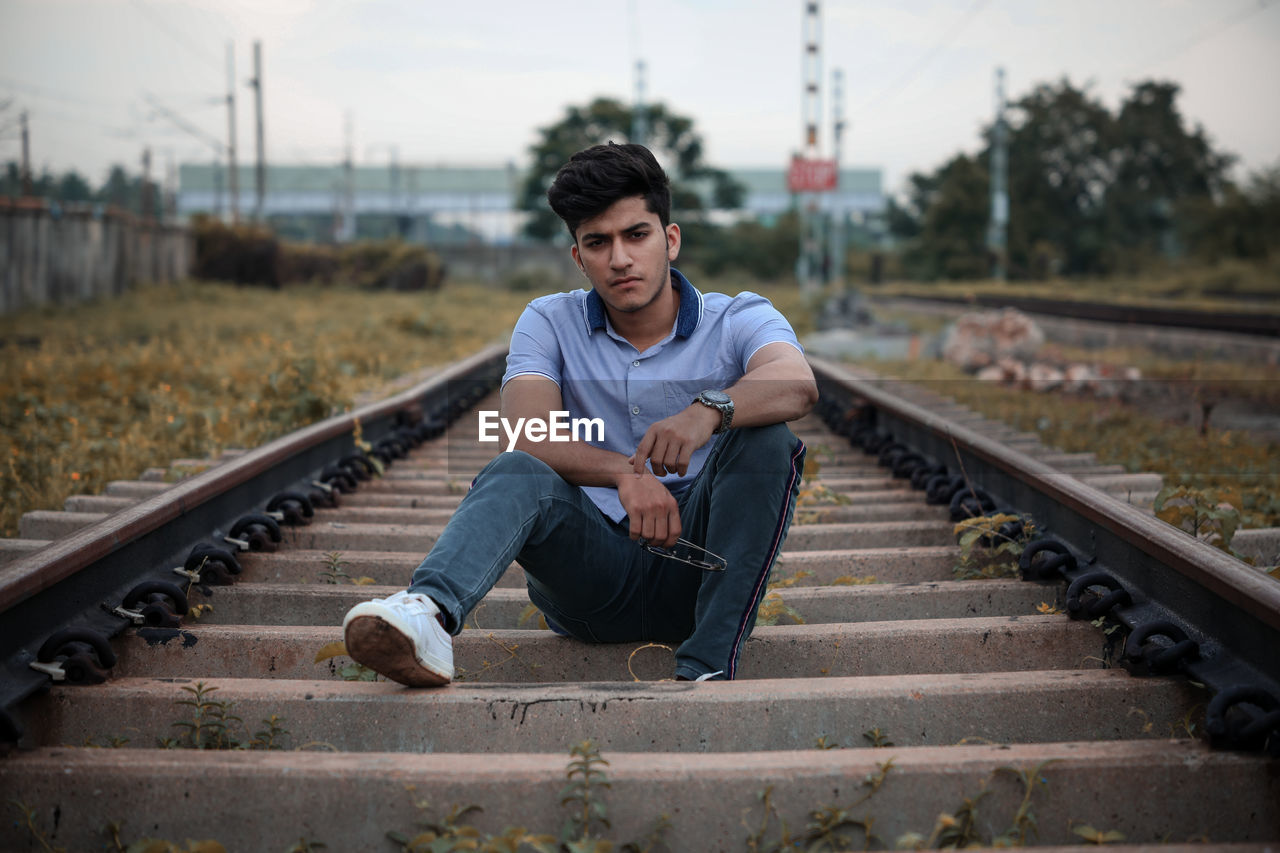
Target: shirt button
{"type": "Point", "coordinates": [635, 410]}
{"type": "Point", "coordinates": [635, 363]}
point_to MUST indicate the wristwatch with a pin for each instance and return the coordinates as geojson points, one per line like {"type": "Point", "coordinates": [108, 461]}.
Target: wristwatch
{"type": "Point", "coordinates": [719, 401]}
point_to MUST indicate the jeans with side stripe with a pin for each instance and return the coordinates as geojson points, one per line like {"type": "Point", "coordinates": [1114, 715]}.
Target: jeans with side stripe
{"type": "Point", "coordinates": [593, 581]}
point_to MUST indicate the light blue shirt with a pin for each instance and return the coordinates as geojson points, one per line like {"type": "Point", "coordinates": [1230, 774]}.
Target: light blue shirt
{"type": "Point", "coordinates": [567, 337]}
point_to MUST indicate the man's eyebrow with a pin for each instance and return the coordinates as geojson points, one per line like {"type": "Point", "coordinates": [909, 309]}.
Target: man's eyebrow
{"type": "Point", "coordinates": [629, 229]}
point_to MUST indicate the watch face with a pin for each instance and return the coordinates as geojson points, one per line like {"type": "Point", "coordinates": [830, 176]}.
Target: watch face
{"type": "Point", "coordinates": [715, 397]}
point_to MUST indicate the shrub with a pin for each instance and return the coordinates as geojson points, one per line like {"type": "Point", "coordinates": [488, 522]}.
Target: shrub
{"type": "Point", "coordinates": [247, 254]}
{"type": "Point", "coordinates": [391, 265]}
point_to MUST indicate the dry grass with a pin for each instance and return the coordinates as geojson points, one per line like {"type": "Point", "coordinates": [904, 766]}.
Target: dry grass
{"type": "Point", "coordinates": [1225, 461]}
{"type": "Point", "coordinates": [98, 392]}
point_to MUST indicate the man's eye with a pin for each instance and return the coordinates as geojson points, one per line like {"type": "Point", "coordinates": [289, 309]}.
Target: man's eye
{"type": "Point", "coordinates": [639, 235]}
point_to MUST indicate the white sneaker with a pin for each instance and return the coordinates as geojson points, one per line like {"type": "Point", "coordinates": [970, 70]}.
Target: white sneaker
{"type": "Point", "coordinates": [401, 638]}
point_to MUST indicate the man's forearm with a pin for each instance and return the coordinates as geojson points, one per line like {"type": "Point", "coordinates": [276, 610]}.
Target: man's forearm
{"type": "Point", "coordinates": [578, 462]}
{"type": "Point", "coordinates": [772, 393]}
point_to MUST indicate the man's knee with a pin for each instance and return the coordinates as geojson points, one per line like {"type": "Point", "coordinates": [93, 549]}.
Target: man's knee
{"type": "Point", "coordinates": [515, 462]}
{"type": "Point", "coordinates": [775, 441]}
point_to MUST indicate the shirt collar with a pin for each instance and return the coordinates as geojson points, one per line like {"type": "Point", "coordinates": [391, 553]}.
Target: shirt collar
{"type": "Point", "coordinates": [686, 320]}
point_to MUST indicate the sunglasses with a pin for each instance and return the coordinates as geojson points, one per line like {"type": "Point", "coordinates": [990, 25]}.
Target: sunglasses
{"type": "Point", "coordinates": [690, 554]}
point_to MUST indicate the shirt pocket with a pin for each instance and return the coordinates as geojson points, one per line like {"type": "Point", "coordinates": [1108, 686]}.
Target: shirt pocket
{"type": "Point", "coordinates": [681, 392]}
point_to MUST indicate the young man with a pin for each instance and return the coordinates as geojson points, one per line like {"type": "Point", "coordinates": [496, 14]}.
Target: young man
{"type": "Point", "coordinates": [693, 392]}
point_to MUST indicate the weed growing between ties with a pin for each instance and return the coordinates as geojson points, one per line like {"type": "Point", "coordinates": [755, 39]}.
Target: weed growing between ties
{"type": "Point", "coordinates": [991, 545]}
{"type": "Point", "coordinates": [29, 822]}
{"type": "Point", "coordinates": [582, 832]}
{"type": "Point", "coordinates": [835, 827]}
{"type": "Point", "coordinates": [335, 571]}
{"type": "Point", "coordinates": [212, 725]}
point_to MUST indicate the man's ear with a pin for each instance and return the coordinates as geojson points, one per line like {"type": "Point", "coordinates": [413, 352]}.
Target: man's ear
{"type": "Point", "coordinates": [673, 241]}
{"type": "Point", "coordinates": [573, 250]}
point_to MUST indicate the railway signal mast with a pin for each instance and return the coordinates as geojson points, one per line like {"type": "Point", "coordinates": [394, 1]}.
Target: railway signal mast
{"type": "Point", "coordinates": [809, 174]}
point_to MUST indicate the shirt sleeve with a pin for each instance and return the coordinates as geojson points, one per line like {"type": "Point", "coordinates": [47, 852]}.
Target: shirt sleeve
{"type": "Point", "coordinates": [756, 323]}
{"type": "Point", "coordinates": [534, 348]}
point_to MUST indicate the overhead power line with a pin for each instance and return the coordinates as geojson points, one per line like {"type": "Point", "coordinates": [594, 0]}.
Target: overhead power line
{"type": "Point", "coordinates": [163, 25]}
{"type": "Point", "coordinates": [1222, 25]}
{"type": "Point", "coordinates": [184, 125]}
{"type": "Point", "coordinates": [905, 78]}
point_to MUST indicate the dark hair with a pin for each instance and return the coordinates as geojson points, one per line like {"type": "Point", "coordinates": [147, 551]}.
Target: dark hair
{"type": "Point", "coordinates": [598, 176]}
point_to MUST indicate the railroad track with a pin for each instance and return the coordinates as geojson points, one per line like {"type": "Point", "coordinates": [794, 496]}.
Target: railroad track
{"type": "Point", "coordinates": [1255, 323]}
{"type": "Point", "coordinates": [889, 699]}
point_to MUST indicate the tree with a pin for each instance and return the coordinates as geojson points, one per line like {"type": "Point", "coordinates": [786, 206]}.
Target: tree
{"type": "Point", "coordinates": [1243, 222]}
{"type": "Point", "coordinates": [1159, 165]}
{"type": "Point", "coordinates": [72, 187]}
{"type": "Point", "coordinates": [671, 137]}
{"type": "Point", "coordinates": [1060, 167]}
{"type": "Point", "coordinates": [120, 190]}
{"type": "Point", "coordinates": [952, 226]}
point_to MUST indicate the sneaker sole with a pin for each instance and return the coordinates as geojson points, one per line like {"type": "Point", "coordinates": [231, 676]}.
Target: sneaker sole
{"type": "Point", "coordinates": [379, 645]}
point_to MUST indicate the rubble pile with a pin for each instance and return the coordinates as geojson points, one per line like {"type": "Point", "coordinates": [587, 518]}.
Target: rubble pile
{"type": "Point", "coordinates": [1001, 346]}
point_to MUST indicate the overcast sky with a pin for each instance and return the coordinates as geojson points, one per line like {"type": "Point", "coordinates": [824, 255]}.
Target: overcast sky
{"type": "Point", "coordinates": [470, 83]}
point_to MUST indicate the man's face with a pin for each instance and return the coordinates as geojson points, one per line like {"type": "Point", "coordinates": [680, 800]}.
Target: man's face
{"type": "Point", "coordinates": [625, 253]}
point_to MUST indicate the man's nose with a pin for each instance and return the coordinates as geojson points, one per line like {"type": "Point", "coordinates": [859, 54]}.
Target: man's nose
{"type": "Point", "coordinates": [619, 257]}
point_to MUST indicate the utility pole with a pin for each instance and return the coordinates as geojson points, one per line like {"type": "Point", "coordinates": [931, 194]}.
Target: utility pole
{"type": "Point", "coordinates": [233, 176]}
{"type": "Point", "coordinates": [639, 114]}
{"type": "Point", "coordinates": [395, 190]}
{"type": "Point", "coordinates": [997, 228]}
{"type": "Point", "coordinates": [837, 207]}
{"type": "Point", "coordinates": [809, 265]}
{"type": "Point", "coordinates": [347, 222]}
{"type": "Point", "coordinates": [260, 170]}
{"type": "Point", "coordinates": [148, 208]}
{"type": "Point", "coordinates": [26, 154]}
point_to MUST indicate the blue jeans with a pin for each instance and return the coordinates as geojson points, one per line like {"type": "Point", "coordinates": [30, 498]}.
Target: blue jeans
{"type": "Point", "coordinates": [588, 576]}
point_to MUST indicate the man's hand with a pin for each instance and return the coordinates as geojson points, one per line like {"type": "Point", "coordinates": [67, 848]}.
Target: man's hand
{"type": "Point", "coordinates": [669, 444]}
{"type": "Point", "coordinates": [654, 513]}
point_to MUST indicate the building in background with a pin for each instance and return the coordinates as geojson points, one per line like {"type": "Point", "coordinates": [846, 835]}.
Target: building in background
{"type": "Point", "coordinates": [452, 205]}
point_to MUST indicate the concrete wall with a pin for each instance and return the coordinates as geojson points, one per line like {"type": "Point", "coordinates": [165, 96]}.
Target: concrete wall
{"type": "Point", "coordinates": [53, 254]}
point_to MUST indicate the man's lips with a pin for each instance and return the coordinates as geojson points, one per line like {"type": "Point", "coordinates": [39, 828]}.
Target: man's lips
{"type": "Point", "coordinates": [631, 279]}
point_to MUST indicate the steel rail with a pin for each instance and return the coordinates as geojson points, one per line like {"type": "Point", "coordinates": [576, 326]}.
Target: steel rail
{"type": "Point", "coordinates": [78, 579]}
{"type": "Point", "coordinates": [1234, 322]}
{"type": "Point", "coordinates": [1226, 604]}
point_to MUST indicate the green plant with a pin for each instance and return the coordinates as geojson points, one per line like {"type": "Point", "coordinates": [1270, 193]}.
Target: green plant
{"type": "Point", "coordinates": [31, 823]}
{"type": "Point", "coordinates": [582, 794]}
{"type": "Point", "coordinates": [828, 827]}
{"type": "Point", "coordinates": [335, 571]}
{"type": "Point", "coordinates": [1206, 514]}
{"type": "Point", "coordinates": [212, 725]}
{"type": "Point", "coordinates": [1024, 824]}
{"type": "Point", "coordinates": [877, 738]}
{"type": "Point", "coordinates": [1005, 535]}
